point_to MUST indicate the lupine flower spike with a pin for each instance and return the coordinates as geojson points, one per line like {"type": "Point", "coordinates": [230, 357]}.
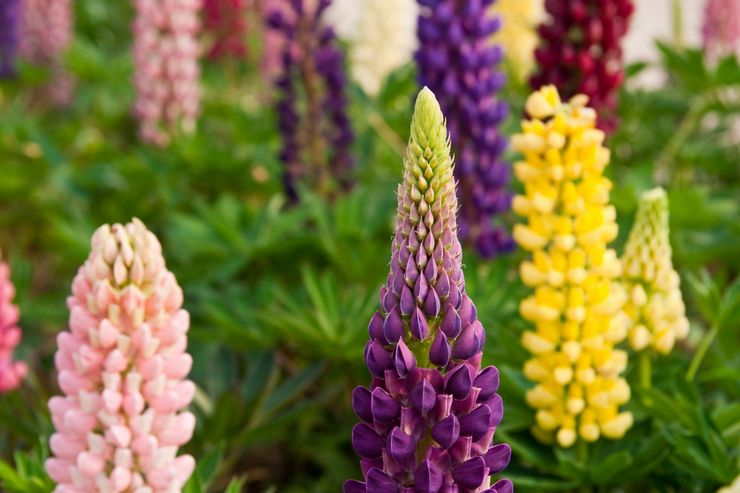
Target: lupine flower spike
{"type": "Point", "coordinates": [11, 372]}
{"type": "Point", "coordinates": [577, 303]}
{"type": "Point", "coordinates": [317, 136]}
{"type": "Point", "coordinates": [429, 415]}
{"type": "Point", "coordinates": [581, 52]}
{"type": "Point", "coordinates": [225, 22]}
{"type": "Point", "coordinates": [457, 61]}
{"type": "Point", "coordinates": [10, 19]}
{"type": "Point", "coordinates": [166, 68]}
{"type": "Point", "coordinates": [122, 370]}
{"type": "Point", "coordinates": [721, 28]}
{"type": "Point", "coordinates": [654, 305]}
{"type": "Point", "coordinates": [518, 33]}
{"type": "Point", "coordinates": [381, 35]}
{"type": "Point", "coordinates": [45, 38]}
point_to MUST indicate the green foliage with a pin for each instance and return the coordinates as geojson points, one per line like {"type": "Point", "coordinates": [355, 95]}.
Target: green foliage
{"type": "Point", "coordinates": [280, 297]}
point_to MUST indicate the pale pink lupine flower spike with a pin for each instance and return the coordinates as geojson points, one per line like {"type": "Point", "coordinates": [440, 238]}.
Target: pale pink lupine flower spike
{"type": "Point", "coordinates": [122, 368]}
{"type": "Point", "coordinates": [11, 372]}
{"type": "Point", "coordinates": [167, 71]}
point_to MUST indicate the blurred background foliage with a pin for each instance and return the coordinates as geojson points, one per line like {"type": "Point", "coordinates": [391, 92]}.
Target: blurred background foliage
{"type": "Point", "coordinates": [280, 297]}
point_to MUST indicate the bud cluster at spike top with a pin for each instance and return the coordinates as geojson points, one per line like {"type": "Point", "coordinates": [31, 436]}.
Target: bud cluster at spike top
{"type": "Point", "coordinates": [11, 372]}
{"type": "Point", "coordinates": [167, 74]}
{"type": "Point", "coordinates": [122, 369]}
{"type": "Point", "coordinates": [10, 19]}
{"type": "Point", "coordinates": [577, 302]}
{"type": "Point", "coordinates": [457, 61]}
{"type": "Point", "coordinates": [317, 145]}
{"type": "Point", "coordinates": [224, 21]}
{"type": "Point", "coordinates": [654, 304]}
{"type": "Point", "coordinates": [580, 52]}
{"type": "Point", "coordinates": [428, 418]}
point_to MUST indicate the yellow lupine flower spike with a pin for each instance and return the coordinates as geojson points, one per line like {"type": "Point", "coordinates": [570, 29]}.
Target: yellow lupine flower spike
{"type": "Point", "coordinates": [518, 33]}
{"type": "Point", "coordinates": [577, 302]}
{"type": "Point", "coordinates": [654, 300]}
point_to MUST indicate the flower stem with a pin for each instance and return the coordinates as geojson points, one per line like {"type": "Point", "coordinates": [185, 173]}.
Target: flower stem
{"type": "Point", "coordinates": [701, 351]}
{"type": "Point", "coordinates": [645, 370]}
{"type": "Point", "coordinates": [583, 459]}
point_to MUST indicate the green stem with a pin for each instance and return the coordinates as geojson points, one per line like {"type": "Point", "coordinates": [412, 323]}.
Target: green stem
{"type": "Point", "coordinates": [677, 24]}
{"type": "Point", "coordinates": [667, 159]}
{"type": "Point", "coordinates": [583, 459]}
{"type": "Point", "coordinates": [701, 351]}
{"type": "Point", "coordinates": [645, 370]}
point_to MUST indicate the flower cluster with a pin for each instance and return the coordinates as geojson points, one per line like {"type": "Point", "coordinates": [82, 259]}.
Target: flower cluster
{"type": "Point", "coordinates": [122, 368]}
{"type": "Point", "coordinates": [316, 144]}
{"type": "Point", "coordinates": [429, 415]}
{"type": "Point", "coordinates": [10, 18]}
{"type": "Point", "coordinates": [721, 28]}
{"type": "Point", "coordinates": [577, 302]}
{"type": "Point", "coordinates": [225, 21]}
{"type": "Point", "coordinates": [518, 34]}
{"type": "Point", "coordinates": [580, 52]}
{"type": "Point", "coordinates": [11, 372]}
{"type": "Point", "coordinates": [457, 61]}
{"type": "Point", "coordinates": [381, 36]}
{"type": "Point", "coordinates": [166, 68]}
{"type": "Point", "coordinates": [45, 37]}
{"type": "Point", "coordinates": [654, 305]}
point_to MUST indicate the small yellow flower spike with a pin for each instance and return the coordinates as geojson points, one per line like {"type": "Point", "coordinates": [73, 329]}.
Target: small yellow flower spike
{"type": "Point", "coordinates": [654, 304]}
{"type": "Point", "coordinates": [577, 304]}
{"type": "Point", "coordinates": [518, 33]}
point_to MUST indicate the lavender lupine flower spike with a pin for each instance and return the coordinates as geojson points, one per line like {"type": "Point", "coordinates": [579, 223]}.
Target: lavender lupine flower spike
{"type": "Point", "coordinates": [457, 61]}
{"type": "Point", "coordinates": [10, 13]}
{"type": "Point", "coordinates": [428, 418]}
{"type": "Point", "coordinates": [317, 140]}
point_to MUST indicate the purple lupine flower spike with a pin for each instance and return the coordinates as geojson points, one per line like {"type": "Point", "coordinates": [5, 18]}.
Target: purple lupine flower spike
{"type": "Point", "coordinates": [457, 61]}
{"type": "Point", "coordinates": [429, 415]}
{"type": "Point", "coordinates": [10, 13]}
{"type": "Point", "coordinates": [317, 136]}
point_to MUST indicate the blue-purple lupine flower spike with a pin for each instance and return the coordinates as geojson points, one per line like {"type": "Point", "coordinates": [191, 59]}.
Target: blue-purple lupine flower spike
{"type": "Point", "coordinates": [317, 138]}
{"type": "Point", "coordinates": [457, 61]}
{"type": "Point", "coordinates": [10, 20]}
{"type": "Point", "coordinates": [428, 418]}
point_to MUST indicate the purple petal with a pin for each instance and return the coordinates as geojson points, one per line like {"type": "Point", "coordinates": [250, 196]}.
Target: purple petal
{"type": "Point", "coordinates": [375, 328]}
{"type": "Point", "coordinates": [366, 442]}
{"type": "Point", "coordinates": [419, 326]}
{"type": "Point", "coordinates": [423, 397]}
{"type": "Point", "coordinates": [471, 473]}
{"type": "Point", "coordinates": [401, 446]}
{"type": "Point", "coordinates": [354, 486]}
{"type": "Point", "coordinates": [378, 359]}
{"type": "Point", "coordinates": [447, 431]}
{"type": "Point", "coordinates": [497, 457]}
{"type": "Point", "coordinates": [393, 326]}
{"type": "Point", "coordinates": [432, 304]}
{"type": "Point", "coordinates": [451, 323]}
{"type": "Point", "coordinates": [443, 286]}
{"type": "Point", "coordinates": [384, 408]}
{"type": "Point", "coordinates": [458, 382]}
{"type": "Point", "coordinates": [427, 478]}
{"type": "Point", "coordinates": [439, 352]}
{"type": "Point", "coordinates": [487, 381]}
{"type": "Point", "coordinates": [380, 482]}
{"type": "Point", "coordinates": [476, 423]}
{"type": "Point", "coordinates": [407, 301]}
{"type": "Point", "coordinates": [361, 403]}
{"type": "Point", "coordinates": [503, 486]}
{"type": "Point", "coordinates": [404, 359]}
{"type": "Point", "coordinates": [467, 343]}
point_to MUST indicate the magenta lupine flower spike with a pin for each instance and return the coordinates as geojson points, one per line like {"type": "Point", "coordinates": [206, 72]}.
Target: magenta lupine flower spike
{"type": "Point", "coordinates": [45, 37]}
{"type": "Point", "coordinates": [166, 68]}
{"type": "Point", "coordinates": [122, 369]}
{"type": "Point", "coordinates": [224, 21]}
{"type": "Point", "coordinates": [721, 28]}
{"type": "Point", "coordinates": [429, 415]}
{"type": "Point", "coordinates": [580, 52]}
{"type": "Point", "coordinates": [11, 372]}
{"type": "Point", "coordinates": [458, 62]}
